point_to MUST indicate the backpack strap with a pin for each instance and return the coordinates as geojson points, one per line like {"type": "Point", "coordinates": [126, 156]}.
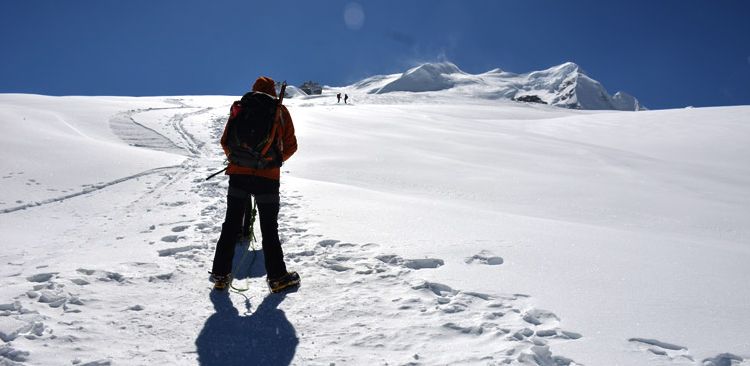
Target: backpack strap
{"type": "Point", "coordinates": [235, 109]}
{"type": "Point", "coordinates": [276, 121]}
{"type": "Point", "coordinates": [274, 129]}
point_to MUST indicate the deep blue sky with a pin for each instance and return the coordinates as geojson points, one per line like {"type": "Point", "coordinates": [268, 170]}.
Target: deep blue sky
{"type": "Point", "coordinates": [668, 53]}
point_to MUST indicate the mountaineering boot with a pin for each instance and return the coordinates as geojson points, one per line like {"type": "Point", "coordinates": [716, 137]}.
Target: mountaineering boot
{"type": "Point", "coordinates": [279, 284]}
{"type": "Point", "coordinates": [221, 282]}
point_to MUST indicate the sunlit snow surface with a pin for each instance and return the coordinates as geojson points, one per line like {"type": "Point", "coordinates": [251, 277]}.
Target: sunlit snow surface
{"type": "Point", "coordinates": [428, 228]}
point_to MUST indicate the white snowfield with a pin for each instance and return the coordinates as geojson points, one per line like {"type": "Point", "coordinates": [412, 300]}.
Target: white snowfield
{"type": "Point", "coordinates": [429, 229]}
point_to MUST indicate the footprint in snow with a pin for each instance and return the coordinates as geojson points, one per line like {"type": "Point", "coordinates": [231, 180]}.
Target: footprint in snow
{"type": "Point", "coordinates": [80, 281]}
{"type": "Point", "coordinates": [304, 253]}
{"type": "Point", "coordinates": [94, 363]}
{"type": "Point", "coordinates": [485, 257]}
{"type": "Point", "coordinates": [476, 315]}
{"type": "Point", "coordinates": [164, 277]}
{"type": "Point", "coordinates": [436, 288]}
{"type": "Point", "coordinates": [411, 263]}
{"type": "Point", "coordinates": [55, 296]}
{"type": "Point", "coordinates": [171, 238]}
{"type": "Point", "coordinates": [150, 229]}
{"type": "Point", "coordinates": [540, 317]}
{"type": "Point", "coordinates": [41, 277]}
{"type": "Point", "coordinates": [328, 243]}
{"type": "Point", "coordinates": [181, 228]}
{"type": "Point", "coordinates": [28, 325]}
{"type": "Point", "coordinates": [657, 343]}
{"type": "Point", "coordinates": [174, 251]}
{"type": "Point", "coordinates": [545, 324]}
{"type": "Point", "coordinates": [338, 267]}
{"type": "Point", "coordinates": [664, 349]}
{"type": "Point", "coordinates": [104, 276]}
{"type": "Point", "coordinates": [423, 263]}
{"type": "Point", "coordinates": [724, 359]}
{"type": "Point", "coordinates": [142, 265]}
{"type": "Point", "coordinates": [174, 204]}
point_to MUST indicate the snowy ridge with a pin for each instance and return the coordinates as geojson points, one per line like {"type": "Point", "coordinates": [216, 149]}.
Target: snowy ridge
{"type": "Point", "coordinates": [426, 77]}
{"type": "Point", "coordinates": [565, 85]}
{"type": "Point", "coordinates": [292, 92]}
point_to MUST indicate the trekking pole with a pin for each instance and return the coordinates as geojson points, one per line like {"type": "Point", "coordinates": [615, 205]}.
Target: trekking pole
{"type": "Point", "coordinates": [217, 173]}
{"type": "Point", "coordinates": [249, 219]}
{"type": "Point", "coordinates": [249, 226]}
{"type": "Point", "coordinates": [283, 91]}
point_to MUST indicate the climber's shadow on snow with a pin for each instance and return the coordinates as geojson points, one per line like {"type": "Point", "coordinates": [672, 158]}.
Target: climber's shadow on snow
{"type": "Point", "coordinates": [264, 337]}
{"type": "Point", "coordinates": [248, 263]}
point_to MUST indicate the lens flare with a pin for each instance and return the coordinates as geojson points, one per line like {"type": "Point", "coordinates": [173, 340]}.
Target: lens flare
{"type": "Point", "coordinates": [354, 16]}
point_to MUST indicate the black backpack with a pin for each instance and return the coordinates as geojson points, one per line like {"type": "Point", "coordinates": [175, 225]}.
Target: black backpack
{"type": "Point", "coordinates": [252, 139]}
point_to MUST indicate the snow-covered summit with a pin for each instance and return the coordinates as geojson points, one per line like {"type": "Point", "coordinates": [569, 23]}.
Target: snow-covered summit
{"type": "Point", "coordinates": [426, 77]}
{"type": "Point", "coordinates": [565, 85]}
{"type": "Point", "coordinates": [292, 92]}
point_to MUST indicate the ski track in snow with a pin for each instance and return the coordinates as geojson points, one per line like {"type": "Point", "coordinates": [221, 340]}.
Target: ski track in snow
{"type": "Point", "coordinates": [52, 310]}
{"type": "Point", "coordinates": [125, 126]}
{"type": "Point", "coordinates": [136, 134]}
{"type": "Point", "coordinates": [92, 188]}
{"type": "Point", "coordinates": [353, 295]}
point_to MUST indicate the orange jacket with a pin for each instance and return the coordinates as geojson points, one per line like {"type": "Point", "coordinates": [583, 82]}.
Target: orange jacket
{"type": "Point", "coordinates": [288, 139]}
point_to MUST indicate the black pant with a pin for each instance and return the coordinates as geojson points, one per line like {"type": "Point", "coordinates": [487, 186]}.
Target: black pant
{"type": "Point", "coordinates": [266, 193]}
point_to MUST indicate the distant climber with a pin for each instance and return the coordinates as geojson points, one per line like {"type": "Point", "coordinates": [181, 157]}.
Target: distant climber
{"type": "Point", "coordinates": [338, 97]}
{"type": "Point", "coordinates": [346, 97]}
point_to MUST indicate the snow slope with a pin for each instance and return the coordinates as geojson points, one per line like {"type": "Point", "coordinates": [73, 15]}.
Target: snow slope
{"type": "Point", "coordinates": [436, 229]}
{"type": "Point", "coordinates": [565, 85]}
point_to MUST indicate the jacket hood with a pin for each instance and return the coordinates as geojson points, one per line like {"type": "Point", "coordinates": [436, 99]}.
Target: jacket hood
{"type": "Point", "coordinates": [266, 85]}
